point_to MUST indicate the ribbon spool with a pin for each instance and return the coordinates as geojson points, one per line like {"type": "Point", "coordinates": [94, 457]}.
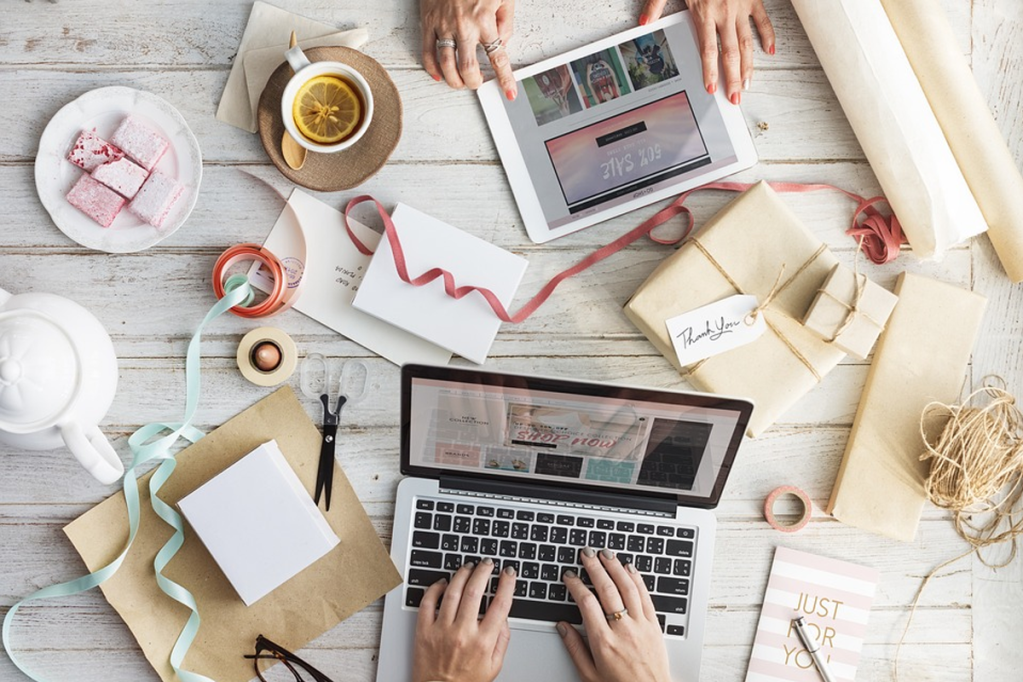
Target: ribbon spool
{"type": "Point", "coordinates": [267, 356]}
{"type": "Point", "coordinates": [804, 517]}
{"type": "Point", "coordinates": [284, 291]}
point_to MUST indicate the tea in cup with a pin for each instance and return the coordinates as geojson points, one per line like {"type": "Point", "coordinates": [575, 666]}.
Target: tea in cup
{"type": "Point", "coordinates": [327, 106]}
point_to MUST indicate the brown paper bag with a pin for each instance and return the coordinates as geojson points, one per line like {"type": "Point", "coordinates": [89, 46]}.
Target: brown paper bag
{"type": "Point", "coordinates": [351, 576]}
{"type": "Point", "coordinates": [744, 249]}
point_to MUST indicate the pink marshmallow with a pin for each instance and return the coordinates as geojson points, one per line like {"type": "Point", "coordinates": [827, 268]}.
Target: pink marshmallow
{"type": "Point", "coordinates": [123, 176]}
{"type": "Point", "coordinates": [96, 201]}
{"type": "Point", "coordinates": [156, 199]}
{"type": "Point", "coordinates": [91, 151]}
{"type": "Point", "coordinates": [140, 142]}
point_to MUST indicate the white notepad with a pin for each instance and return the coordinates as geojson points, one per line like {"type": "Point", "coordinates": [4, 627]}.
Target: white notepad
{"type": "Point", "coordinates": [258, 522]}
{"type": "Point", "coordinates": [466, 326]}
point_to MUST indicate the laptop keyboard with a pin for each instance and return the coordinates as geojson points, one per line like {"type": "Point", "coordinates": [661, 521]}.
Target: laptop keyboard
{"type": "Point", "coordinates": [542, 546]}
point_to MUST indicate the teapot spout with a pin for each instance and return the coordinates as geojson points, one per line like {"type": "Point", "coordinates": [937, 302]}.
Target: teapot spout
{"type": "Point", "coordinates": [4, 295]}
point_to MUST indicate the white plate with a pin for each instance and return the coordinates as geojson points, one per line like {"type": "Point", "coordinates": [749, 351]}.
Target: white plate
{"type": "Point", "coordinates": [103, 109]}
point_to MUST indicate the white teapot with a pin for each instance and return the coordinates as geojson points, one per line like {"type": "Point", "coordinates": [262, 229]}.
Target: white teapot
{"type": "Point", "coordinates": [58, 374]}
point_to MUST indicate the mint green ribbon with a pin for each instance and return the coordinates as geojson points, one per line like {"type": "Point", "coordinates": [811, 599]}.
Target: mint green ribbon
{"type": "Point", "coordinates": [238, 292]}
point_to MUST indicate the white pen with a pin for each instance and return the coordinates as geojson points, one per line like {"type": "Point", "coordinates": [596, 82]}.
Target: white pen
{"type": "Point", "coordinates": [813, 648]}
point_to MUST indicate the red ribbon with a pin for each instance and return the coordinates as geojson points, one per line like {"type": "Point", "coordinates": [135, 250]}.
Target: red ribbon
{"type": "Point", "coordinates": [881, 241]}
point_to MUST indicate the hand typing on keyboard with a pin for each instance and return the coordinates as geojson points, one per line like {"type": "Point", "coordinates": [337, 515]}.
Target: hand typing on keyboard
{"type": "Point", "coordinates": [625, 641]}
{"type": "Point", "coordinates": [452, 645]}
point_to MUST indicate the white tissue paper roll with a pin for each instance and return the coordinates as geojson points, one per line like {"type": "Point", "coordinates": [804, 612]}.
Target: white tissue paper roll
{"type": "Point", "coordinates": [965, 117]}
{"type": "Point", "coordinates": [893, 122]}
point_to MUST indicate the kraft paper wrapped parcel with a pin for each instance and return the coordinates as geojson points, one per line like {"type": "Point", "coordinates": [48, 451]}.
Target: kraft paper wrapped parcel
{"type": "Point", "coordinates": [744, 249]}
{"type": "Point", "coordinates": [921, 357]}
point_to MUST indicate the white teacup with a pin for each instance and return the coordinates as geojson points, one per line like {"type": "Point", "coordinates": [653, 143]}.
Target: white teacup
{"type": "Point", "coordinates": [305, 70]}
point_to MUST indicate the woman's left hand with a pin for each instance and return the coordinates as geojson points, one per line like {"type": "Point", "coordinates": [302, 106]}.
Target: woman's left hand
{"type": "Point", "coordinates": [729, 20]}
{"type": "Point", "coordinates": [452, 645]}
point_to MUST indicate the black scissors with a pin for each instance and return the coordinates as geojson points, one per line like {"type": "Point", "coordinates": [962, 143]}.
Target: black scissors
{"type": "Point", "coordinates": [316, 382]}
{"type": "Point", "coordinates": [325, 474]}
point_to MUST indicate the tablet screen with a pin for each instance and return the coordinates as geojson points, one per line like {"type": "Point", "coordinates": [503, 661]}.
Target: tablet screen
{"type": "Point", "coordinates": [621, 122]}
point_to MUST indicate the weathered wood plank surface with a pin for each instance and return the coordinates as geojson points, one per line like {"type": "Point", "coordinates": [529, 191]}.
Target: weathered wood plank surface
{"type": "Point", "coordinates": [51, 52]}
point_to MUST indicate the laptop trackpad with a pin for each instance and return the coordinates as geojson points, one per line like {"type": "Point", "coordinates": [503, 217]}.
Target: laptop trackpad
{"type": "Point", "coordinates": [536, 657]}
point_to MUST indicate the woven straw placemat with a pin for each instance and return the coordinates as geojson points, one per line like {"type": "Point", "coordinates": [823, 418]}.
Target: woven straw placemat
{"type": "Point", "coordinates": [350, 167]}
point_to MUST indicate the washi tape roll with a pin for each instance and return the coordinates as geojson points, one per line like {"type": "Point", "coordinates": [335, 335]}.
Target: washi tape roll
{"type": "Point", "coordinates": [267, 356]}
{"type": "Point", "coordinates": [803, 519]}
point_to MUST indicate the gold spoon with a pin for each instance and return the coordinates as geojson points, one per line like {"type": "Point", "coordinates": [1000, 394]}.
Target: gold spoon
{"type": "Point", "coordinates": [294, 153]}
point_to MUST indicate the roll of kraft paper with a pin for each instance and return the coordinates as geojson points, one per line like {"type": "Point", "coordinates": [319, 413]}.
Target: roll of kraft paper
{"type": "Point", "coordinates": [965, 118]}
{"type": "Point", "coordinates": [893, 122]}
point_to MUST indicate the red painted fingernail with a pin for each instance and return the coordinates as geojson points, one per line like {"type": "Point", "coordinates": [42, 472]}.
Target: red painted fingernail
{"type": "Point", "coordinates": [712, 88]}
{"type": "Point", "coordinates": [771, 51]}
{"type": "Point", "coordinates": [734, 98]}
{"type": "Point", "coordinates": [436, 78]}
{"type": "Point", "coordinates": [510, 94]}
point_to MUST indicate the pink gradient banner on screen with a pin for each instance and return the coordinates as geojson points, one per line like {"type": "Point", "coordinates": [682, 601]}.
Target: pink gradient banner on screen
{"type": "Point", "coordinates": [626, 148]}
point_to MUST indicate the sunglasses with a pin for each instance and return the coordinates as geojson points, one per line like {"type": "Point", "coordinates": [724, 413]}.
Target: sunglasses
{"type": "Point", "coordinates": [269, 651]}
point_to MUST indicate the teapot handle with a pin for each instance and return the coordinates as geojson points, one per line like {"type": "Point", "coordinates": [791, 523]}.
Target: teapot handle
{"type": "Point", "coordinates": [93, 451]}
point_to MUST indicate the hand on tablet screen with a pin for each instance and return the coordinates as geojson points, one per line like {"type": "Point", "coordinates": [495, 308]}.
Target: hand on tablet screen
{"type": "Point", "coordinates": [729, 20]}
{"type": "Point", "coordinates": [453, 31]}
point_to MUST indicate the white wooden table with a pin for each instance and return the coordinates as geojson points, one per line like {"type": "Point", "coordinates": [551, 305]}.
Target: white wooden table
{"type": "Point", "coordinates": [50, 52]}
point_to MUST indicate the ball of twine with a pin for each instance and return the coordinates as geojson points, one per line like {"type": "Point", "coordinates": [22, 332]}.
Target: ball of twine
{"type": "Point", "coordinates": [976, 473]}
{"type": "Point", "coordinates": [977, 467]}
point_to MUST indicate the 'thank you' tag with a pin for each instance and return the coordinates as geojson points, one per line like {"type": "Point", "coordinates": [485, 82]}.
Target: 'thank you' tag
{"type": "Point", "coordinates": [715, 328]}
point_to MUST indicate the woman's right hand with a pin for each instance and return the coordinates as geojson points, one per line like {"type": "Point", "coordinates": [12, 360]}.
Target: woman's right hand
{"type": "Point", "coordinates": [619, 650]}
{"type": "Point", "coordinates": [462, 26]}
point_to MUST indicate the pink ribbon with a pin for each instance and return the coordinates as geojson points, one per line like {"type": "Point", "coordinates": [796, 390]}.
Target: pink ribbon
{"type": "Point", "coordinates": [881, 240]}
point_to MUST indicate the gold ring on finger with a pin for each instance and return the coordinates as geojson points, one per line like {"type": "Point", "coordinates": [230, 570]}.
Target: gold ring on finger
{"type": "Point", "coordinates": [616, 615]}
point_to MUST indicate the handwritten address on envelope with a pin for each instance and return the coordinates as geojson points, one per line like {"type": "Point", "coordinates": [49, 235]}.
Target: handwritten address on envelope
{"type": "Point", "coordinates": [715, 328]}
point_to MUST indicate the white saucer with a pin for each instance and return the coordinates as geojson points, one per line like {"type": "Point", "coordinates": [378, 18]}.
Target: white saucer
{"type": "Point", "coordinates": [103, 109]}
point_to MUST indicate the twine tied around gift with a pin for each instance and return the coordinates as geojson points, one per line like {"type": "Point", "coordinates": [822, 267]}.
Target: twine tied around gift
{"type": "Point", "coordinates": [853, 309]}
{"type": "Point", "coordinates": [776, 290]}
{"type": "Point", "coordinates": [977, 474]}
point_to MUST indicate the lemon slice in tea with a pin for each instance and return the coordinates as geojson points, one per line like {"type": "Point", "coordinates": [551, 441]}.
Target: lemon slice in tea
{"type": "Point", "coordinates": [326, 109]}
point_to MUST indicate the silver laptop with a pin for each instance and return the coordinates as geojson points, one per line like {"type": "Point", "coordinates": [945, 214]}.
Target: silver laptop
{"type": "Point", "coordinates": [528, 471]}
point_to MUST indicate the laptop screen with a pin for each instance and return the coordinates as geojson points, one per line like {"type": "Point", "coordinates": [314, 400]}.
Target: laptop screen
{"type": "Point", "coordinates": [569, 433]}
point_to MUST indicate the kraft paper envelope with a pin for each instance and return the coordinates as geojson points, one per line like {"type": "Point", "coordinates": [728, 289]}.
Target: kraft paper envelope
{"type": "Point", "coordinates": [271, 27]}
{"type": "Point", "coordinates": [348, 578]}
{"type": "Point", "coordinates": [748, 244]}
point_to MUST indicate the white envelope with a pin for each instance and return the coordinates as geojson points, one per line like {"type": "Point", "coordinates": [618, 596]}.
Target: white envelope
{"type": "Point", "coordinates": [333, 272]}
{"type": "Point", "coordinates": [466, 326]}
{"type": "Point", "coordinates": [258, 522]}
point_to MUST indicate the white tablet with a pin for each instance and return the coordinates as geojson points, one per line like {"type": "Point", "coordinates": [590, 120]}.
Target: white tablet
{"type": "Point", "coordinates": [612, 126]}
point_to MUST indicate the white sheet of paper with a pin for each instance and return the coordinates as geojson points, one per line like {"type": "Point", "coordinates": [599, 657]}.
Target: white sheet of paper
{"type": "Point", "coordinates": [257, 500]}
{"type": "Point", "coordinates": [466, 326]}
{"type": "Point", "coordinates": [333, 274]}
{"type": "Point", "coordinates": [715, 328]}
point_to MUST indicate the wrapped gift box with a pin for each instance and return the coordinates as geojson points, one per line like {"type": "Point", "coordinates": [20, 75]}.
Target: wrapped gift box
{"type": "Point", "coordinates": [850, 311]}
{"type": "Point", "coordinates": [744, 249]}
